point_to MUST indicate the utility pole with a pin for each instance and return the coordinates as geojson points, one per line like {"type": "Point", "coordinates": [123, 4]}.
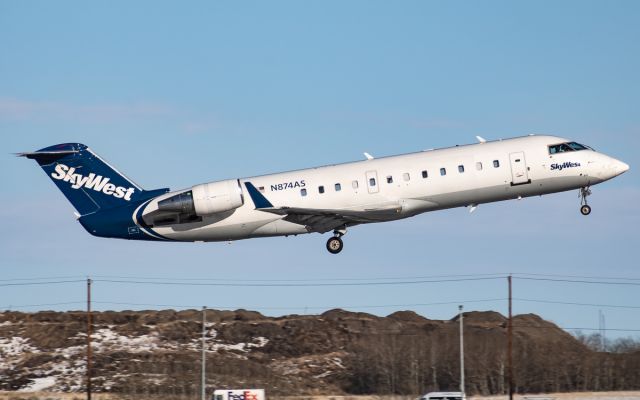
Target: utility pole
{"type": "Point", "coordinates": [510, 342]}
{"type": "Point", "coordinates": [203, 383]}
{"type": "Point", "coordinates": [461, 353]}
{"type": "Point", "coordinates": [88, 339]}
{"type": "Point", "coordinates": [601, 328]}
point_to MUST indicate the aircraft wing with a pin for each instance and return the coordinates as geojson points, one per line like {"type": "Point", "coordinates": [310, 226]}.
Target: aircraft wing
{"type": "Point", "coordinates": [320, 219]}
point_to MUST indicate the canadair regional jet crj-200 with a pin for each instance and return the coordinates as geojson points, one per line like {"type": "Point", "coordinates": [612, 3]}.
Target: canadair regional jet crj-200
{"type": "Point", "coordinates": [324, 199]}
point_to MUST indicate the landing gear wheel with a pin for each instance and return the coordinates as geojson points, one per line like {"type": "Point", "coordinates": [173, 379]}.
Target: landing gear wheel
{"type": "Point", "coordinates": [334, 245]}
{"type": "Point", "coordinates": [584, 207]}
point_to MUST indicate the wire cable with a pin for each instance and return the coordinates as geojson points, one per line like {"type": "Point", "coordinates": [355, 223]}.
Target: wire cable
{"type": "Point", "coordinates": [107, 277]}
{"type": "Point", "coordinates": [299, 307]}
{"type": "Point", "coordinates": [41, 278]}
{"type": "Point", "coordinates": [578, 281]}
{"type": "Point", "coordinates": [41, 283]}
{"type": "Point", "coordinates": [387, 283]}
{"type": "Point", "coordinates": [11, 306]}
{"type": "Point", "coordinates": [576, 304]}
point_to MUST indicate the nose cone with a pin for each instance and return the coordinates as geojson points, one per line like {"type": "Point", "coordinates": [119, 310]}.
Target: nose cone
{"type": "Point", "coordinates": [605, 167]}
{"type": "Point", "coordinates": [619, 167]}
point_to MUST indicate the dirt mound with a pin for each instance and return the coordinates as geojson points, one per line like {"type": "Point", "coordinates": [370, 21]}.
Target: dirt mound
{"type": "Point", "coordinates": [338, 352]}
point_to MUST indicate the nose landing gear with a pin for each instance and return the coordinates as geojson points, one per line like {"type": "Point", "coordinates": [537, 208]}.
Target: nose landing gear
{"type": "Point", "coordinates": [585, 209]}
{"type": "Point", "coordinates": [335, 244]}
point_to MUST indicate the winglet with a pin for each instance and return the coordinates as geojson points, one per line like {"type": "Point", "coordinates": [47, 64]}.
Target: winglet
{"type": "Point", "coordinates": [258, 199]}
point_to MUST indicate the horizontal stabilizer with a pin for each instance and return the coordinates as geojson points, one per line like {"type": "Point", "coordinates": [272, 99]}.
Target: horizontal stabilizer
{"type": "Point", "coordinates": [37, 154]}
{"type": "Point", "coordinates": [47, 157]}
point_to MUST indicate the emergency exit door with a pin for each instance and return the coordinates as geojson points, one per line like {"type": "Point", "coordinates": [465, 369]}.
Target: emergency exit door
{"type": "Point", "coordinates": [519, 171]}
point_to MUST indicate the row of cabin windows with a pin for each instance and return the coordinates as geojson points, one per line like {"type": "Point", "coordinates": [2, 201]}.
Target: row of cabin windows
{"type": "Point", "coordinates": [405, 176]}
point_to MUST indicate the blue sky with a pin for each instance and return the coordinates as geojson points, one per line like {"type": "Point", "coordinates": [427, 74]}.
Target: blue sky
{"type": "Point", "coordinates": [176, 94]}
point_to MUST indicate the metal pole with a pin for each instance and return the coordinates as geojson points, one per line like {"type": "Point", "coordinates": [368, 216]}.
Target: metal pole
{"type": "Point", "coordinates": [203, 383]}
{"type": "Point", "coordinates": [461, 352]}
{"type": "Point", "coordinates": [510, 342]}
{"type": "Point", "coordinates": [88, 339]}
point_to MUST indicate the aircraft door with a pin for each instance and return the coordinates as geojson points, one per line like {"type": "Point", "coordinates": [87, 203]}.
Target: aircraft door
{"type": "Point", "coordinates": [519, 173]}
{"type": "Point", "coordinates": [372, 181]}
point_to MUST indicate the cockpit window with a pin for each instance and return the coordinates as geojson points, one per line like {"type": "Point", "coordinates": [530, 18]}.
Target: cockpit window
{"type": "Point", "coordinates": [565, 147]}
{"type": "Point", "coordinates": [578, 146]}
{"type": "Point", "coordinates": [559, 148]}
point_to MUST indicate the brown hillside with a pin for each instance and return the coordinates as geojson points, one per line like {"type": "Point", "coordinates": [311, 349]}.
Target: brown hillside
{"type": "Point", "coordinates": [338, 352]}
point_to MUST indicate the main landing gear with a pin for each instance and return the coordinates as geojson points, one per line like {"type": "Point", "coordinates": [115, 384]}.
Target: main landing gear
{"type": "Point", "coordinates": [335, 244]}
{"type": "Point", "coordinates": [584, 207]}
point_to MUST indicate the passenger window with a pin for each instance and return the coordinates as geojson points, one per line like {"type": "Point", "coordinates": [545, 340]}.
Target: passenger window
{"type": "Point", "coordinates": [479, 166]}
{"type": "Point", "coordinates": [425, 174]}
{"type": "Point", "coordinates": [443, 171]}
{"type": "Point", "coordinates": [354, 184]}
{"type": "Point", "coordinates": [389, 179]}
{"type": "Point", "coordinates": [321, 189]}
{"type": "Point", "coordinates": [303, 192]}
{"type": "Point", "coordinates": [338, 187]}
{"type": "Point", "coordinates": [496, 163]}
{"type": "Point", "coordinates": [406, 176]}
{"type": "Point", "coordinates": [372, 181]}
{"type": "Point", "coordinates": [461, 168]}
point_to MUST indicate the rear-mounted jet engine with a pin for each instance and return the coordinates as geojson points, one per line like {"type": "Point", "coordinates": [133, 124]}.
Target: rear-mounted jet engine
{"type": "Point", "coordinates": [202, 200]}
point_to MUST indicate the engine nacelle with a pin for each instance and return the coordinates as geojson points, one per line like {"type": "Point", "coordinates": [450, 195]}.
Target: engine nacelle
{"type": "Point", "coordinates": [215, 197]}
{"type": "Point", "coordinates": [205, 199]}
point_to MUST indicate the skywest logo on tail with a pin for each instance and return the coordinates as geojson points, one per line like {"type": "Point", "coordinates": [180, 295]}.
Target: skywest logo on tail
{"type": "Point", "coordinates": [92, 181]}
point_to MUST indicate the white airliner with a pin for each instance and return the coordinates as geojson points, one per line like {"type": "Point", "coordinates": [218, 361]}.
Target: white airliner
{"type": "Point", "coordinates": [324, 199]}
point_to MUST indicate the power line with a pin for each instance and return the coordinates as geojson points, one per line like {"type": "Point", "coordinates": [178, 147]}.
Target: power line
{"type": "Point", "coordinates": [41, 278]}
{"type": "Point", "coordinates": [494, 274]}
{"type": "Point", "coordinates": [620, 278]}
{"type": "Point", "coordinates": [522, 275]}
{"type": "Point", "coordinates": [579, 281]}
{"type": "Point", "coordinates": [11, 306]}
{"type": "Point", "coordinates": [389, 278]}
{"type": "Point", "coordinates": [40, 283]}
{"type": "Point", "coordinates": [182, 283]}
{"type": "Point", "coordinates": [300, 307]}
{"type": "Point", "coordinates": [577, 329]}
{"type": "Point", "coordinates": [577, 304]}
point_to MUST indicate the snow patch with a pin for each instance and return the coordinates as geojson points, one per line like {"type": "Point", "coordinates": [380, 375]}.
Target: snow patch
{"type": "Point", "coordinates": [256, 342]}
{"type": "Point", "coordinates": [12, 348]}
{"type": "Point", "coordinates": [39, 384]}
{"type": "Point", "coordinates": [261, 342]}
{"type": "Point", "coordinates": [15, 346]}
